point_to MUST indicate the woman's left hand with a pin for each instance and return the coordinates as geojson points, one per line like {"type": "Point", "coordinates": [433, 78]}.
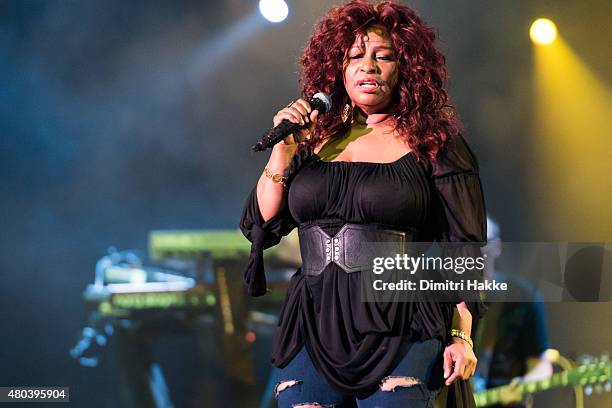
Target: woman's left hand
{"type": "Point", "coordinates": [459, 361]}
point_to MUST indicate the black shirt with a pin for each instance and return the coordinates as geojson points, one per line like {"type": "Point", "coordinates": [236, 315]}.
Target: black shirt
{"type": "Point", "coordinates": [353, 343]}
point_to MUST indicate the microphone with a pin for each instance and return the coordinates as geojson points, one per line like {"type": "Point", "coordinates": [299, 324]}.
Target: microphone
{"type": "Point", "coordinates": [320, 101]}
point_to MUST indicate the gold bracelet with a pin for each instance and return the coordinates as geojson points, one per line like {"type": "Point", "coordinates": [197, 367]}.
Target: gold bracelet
{"type": "Point", "coordinates": [275, 177]}
{"type": "Point", "coordinates": [461, 334]}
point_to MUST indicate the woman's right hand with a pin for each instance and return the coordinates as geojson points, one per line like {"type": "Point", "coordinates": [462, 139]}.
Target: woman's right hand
{"type": "Point", "coordinates": [300, 112]}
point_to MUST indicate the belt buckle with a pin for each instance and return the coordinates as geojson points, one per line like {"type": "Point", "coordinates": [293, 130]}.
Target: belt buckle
{"type": "Point", "coordinates": [333, 247]}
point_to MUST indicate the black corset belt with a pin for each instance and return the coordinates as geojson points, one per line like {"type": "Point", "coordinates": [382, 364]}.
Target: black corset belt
{"type": "Point", "coordinates": [346, 248]}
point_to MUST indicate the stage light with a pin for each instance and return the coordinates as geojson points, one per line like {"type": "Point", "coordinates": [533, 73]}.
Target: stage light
{"type": "Point", "coordinates": [543, 31]}
{"type": "Point", "coordinates": [250, 336]}
{"type": "Point", "coordinates": [274, 11]}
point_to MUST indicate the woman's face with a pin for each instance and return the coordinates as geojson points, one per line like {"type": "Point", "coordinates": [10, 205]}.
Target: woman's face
{"type": "Point", "coordinates": [370, 72]}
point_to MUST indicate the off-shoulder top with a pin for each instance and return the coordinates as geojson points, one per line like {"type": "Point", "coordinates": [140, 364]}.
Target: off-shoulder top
{"type": "Point", "coordinates": [353, 343]}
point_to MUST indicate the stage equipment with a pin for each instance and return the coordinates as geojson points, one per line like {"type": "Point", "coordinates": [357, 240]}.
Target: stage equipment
{"type": "Point", "coordinates": [196, 289]}
{"type": "Point", "coordinates": [543, 31]}
{"type": "Point", "coordinates": [274, 11]}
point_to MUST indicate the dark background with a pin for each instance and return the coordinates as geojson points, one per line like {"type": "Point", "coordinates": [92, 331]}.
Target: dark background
{"type": "Point", "coordinates": [120, 117]}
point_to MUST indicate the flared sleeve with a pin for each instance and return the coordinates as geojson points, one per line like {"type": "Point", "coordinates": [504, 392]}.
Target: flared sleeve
{"type": "Point", "coordinates": [266, 234]}
{"type": "Point", "coordinates": [461, 218]}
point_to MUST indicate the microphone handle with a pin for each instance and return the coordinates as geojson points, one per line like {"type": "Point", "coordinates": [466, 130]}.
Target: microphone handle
{"type": "Point", "coordinates": [285, 128]}
{"type": "Point", "coordinates": [276, 134]}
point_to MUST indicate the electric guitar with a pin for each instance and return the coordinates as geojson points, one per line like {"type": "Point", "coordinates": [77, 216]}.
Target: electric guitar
{"type": "Point", "coordinates": [597, 373]}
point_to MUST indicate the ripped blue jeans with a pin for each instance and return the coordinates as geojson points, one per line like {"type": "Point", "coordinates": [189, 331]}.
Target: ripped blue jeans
{"type": "Point", "coordinates": [300, 383]}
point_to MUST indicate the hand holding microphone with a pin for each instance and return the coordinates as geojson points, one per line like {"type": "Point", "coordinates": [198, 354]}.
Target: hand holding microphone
{"type": "Point", "coordinates": [300, 113]}
{"type": "Point", "coordinates": [293, 123]}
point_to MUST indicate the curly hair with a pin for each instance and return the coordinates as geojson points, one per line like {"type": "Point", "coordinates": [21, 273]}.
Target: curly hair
{"type": "Point", "coordinates": [420, 105]}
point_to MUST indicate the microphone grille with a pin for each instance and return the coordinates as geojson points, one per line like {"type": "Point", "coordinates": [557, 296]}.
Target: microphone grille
{"type": "Point", "coordinates": [323, 97]}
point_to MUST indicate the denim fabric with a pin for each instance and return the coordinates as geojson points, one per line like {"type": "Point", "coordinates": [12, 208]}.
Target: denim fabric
{"type": "Point", "coordinates": [418, 360]}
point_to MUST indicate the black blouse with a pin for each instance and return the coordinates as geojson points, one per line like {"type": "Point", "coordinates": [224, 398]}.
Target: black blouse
{"type": "Point", "coordinates": [353, 343]}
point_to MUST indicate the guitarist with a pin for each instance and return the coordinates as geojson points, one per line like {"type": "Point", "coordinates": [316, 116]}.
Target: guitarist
{"type": "Point", "coordinates": [512, 337]}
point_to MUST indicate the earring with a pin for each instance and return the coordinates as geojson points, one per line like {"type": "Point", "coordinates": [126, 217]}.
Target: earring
{"type": "Point", "coordinates": [347, 110]}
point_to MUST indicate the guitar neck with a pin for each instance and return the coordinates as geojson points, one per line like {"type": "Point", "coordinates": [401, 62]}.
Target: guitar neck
{"type": "Point", "coordinates": [556, 380]}
{"type": "Point", "coordinates": [583, 375]}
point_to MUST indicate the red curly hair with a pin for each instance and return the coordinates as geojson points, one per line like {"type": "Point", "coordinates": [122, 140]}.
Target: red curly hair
{"type": "Point", "coordinates": [420, 104]}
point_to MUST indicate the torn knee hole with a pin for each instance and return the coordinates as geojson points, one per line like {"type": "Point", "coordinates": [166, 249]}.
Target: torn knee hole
{"type": "Point", "coordinates": [282, 385]}
{"type": "Point", "coordinates": [391, 383]}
